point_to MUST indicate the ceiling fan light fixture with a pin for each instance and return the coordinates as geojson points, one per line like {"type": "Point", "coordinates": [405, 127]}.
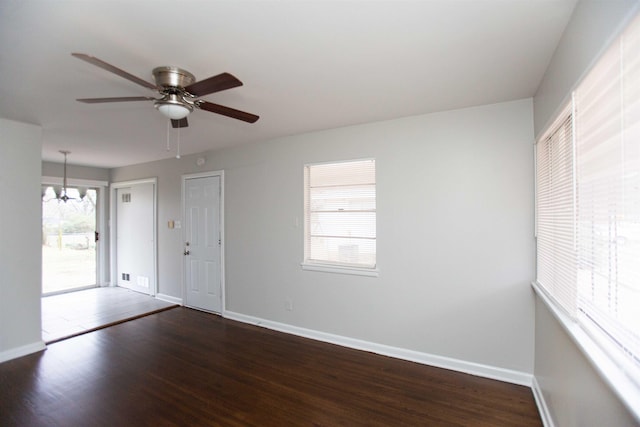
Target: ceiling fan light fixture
{"type": "Point", "coordinates": [173, 107]}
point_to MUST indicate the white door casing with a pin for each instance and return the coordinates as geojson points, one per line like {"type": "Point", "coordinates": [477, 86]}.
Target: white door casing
{"type": "Point", "coordinates": [203, 267]}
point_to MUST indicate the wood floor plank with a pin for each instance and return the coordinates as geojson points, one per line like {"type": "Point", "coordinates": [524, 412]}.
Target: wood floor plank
{"type": "Point", "coordinates": [183, 367]}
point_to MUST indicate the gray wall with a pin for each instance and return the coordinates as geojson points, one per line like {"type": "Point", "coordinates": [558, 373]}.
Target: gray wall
{"type": "Point", "coordinates": [455, 233]}
{"type": "Point", "coordinates": [21, 225]}
{"type": "Point", "coordinates": [75, 171]}
{"type": "Point", "coordinates": [573, 390]}
{"type": "Point", "coordinates": [593, 25]}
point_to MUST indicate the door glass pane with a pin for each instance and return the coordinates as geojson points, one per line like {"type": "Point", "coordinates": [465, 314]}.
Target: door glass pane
{"type": "Point", "coordinates": [68, 240]}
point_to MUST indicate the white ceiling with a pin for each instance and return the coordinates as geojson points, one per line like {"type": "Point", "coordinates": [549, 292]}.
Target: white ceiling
{"type": "Point", "coordinates": [306, 65]}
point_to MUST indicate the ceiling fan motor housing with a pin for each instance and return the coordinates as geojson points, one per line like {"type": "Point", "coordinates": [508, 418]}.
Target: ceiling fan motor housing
{"type": "Point", "coordinates": [171, 77]}
{"type": "Point", "coordinates": [173, 81]}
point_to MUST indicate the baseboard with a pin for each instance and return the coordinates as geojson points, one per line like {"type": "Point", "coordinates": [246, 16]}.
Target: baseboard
{"type": "Point", "coordinates": [543, 409]}
{"type": "Point", "coordinates": [169, 298]}
{"type": "Point", "coordinates": [14, 353]}
{"type": "Point", "coordinates": [486, 371]}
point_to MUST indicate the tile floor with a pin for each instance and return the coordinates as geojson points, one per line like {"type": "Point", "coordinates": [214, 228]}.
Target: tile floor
{"type": "Point", "coordinates": [74, 313]}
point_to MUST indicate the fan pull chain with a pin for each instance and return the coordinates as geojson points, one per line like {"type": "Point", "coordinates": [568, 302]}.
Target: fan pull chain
{"type": "Point", "coordinates": [169, 135]}
{"type": "Point", "coordinates": [178, 145]}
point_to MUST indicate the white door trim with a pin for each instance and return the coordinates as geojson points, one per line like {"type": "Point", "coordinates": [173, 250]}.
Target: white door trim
{"type": "Point", "coordinates": [184, 238]}
{"type": "Point", "coordinates": [113, 223]}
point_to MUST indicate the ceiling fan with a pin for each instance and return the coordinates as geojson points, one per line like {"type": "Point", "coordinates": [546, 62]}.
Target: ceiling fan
{"type": "Point", "coordinates": [178, 91]}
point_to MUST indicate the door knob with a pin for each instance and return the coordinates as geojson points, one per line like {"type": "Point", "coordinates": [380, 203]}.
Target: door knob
{"type": "Point", "coordinates": [187, 252]}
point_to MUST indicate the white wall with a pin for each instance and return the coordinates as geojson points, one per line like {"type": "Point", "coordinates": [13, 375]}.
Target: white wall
{"type": "Point", "coordinates": [455, 233]}
{"type": "Point", "coordinates": [21, 239]}
{"type": "Point", "coordinates": [572, 389]}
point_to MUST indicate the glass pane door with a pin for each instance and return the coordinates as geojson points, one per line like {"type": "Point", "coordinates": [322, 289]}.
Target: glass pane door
{"type": "Point", "coordinates": [68, 240]}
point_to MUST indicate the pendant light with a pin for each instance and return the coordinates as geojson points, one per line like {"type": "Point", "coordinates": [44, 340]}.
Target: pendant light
{"type": "Point", "coordinates": [63, 193]}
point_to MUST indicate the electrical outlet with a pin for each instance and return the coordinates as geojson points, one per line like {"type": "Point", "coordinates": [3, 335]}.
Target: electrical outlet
{"type": "Point", "coordinates": [288, 304]}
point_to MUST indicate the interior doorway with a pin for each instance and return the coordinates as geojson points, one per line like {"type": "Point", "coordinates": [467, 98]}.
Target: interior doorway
{"type": "Point", "coordinates": [133, 235]}
{"type": "Point", "coordinates": [69, 240]}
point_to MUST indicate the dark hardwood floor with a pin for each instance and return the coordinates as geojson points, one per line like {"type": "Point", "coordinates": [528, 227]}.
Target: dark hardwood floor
{"type": "Point", "coordinates": [187, 368]}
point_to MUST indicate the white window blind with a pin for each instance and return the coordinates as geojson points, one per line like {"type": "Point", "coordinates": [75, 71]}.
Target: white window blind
{"type": "Point", "coordinates": [607, 106]}
{"type": "Point", "coordinates": [588, 203]}
{"type": "Point", "coordinates": [555, 213]}
{"type": "Point", "coordinates": [340, 213]}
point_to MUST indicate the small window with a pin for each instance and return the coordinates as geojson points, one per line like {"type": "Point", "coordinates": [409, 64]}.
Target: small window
{"type": "Point", "coordinates": [340, 216]}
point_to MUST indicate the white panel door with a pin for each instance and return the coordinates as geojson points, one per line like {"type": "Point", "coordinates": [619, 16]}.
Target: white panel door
{"type": "Point", "coordinates": [135, 238]}
{"type": "Point", "coordinates": [202, 252]}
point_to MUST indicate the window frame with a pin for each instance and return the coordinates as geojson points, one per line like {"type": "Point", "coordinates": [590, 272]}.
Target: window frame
{"type": "Point", "coordinates": [328, 266]}
{"type": "Point", "coordinates": [607, 357]}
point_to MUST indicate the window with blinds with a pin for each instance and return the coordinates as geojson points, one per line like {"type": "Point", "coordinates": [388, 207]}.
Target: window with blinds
{"type": "Point", "coordinates": [588, 201]}
{"type": "Point", "coordinates": [340, 214]}
{"type": "Point", "coordinates": [607, 125]}
{"type": "Point", "coordinates": [555, 213]}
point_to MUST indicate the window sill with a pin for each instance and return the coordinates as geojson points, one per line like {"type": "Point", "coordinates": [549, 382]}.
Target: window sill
{"type": "Point", "coordinates": [340, 269]}
{"type": "Point", "coordinates": [611, 370]}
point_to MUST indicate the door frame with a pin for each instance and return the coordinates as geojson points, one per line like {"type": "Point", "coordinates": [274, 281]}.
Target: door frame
{"type": "Point", "coordinates": [101, 220]}
{"type": "Point", "coordinates": [113, 222]}
{"type": "Point", "coordinates": [185, 178]}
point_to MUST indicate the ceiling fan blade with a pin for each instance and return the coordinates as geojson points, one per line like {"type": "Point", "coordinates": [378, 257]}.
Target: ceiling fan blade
{"type": "Point", "coordinates": [226, 111]}
{"type": "Point", "coordinates": [213, 84]}
{"type": "Point", "coordinates": [117, 99]}
{"type": "Point", "coordinates": [100, 63]}
{"type": "Point", "coordinates": [181, 123]}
